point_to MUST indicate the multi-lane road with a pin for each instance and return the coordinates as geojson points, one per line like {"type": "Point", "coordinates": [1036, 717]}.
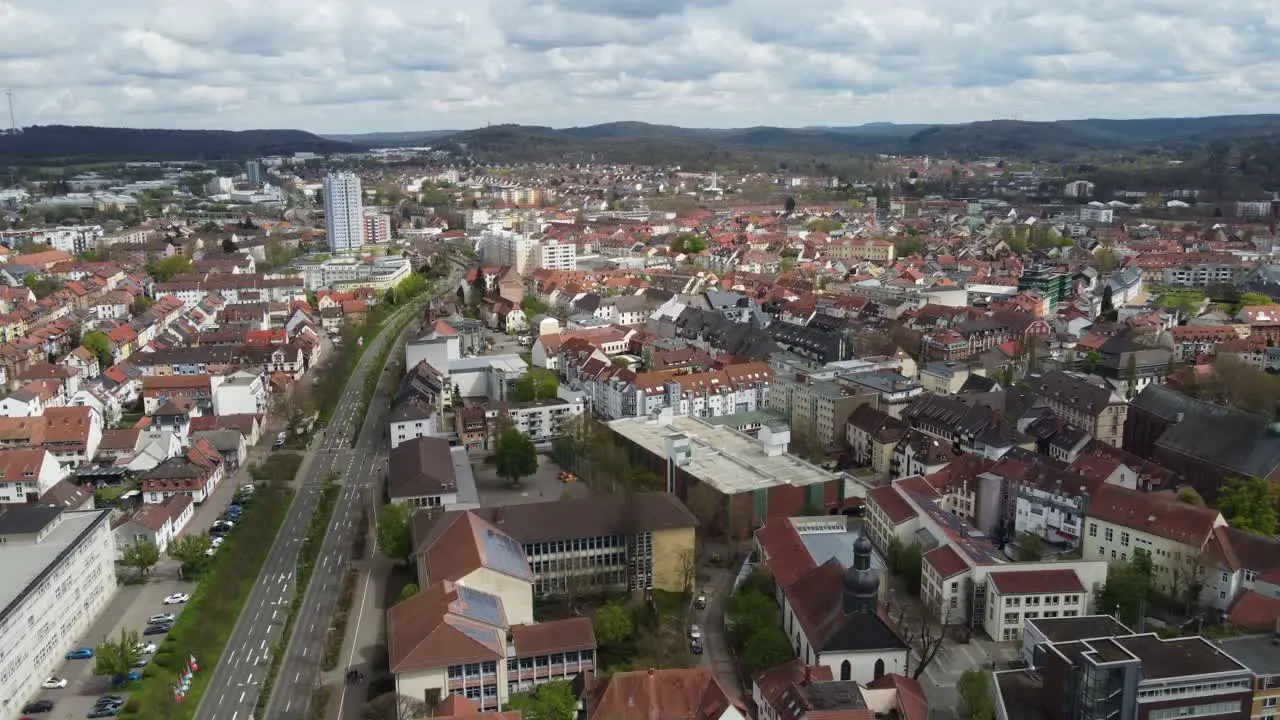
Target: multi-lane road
{"type": "Point", "coordinates": [237, 679]}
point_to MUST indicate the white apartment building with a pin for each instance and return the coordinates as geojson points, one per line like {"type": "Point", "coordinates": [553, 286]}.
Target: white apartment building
{"type": "Point", "coordinates": [343, 213]}
{"type": "Point", "coordinates": [1122, 522]}
{"type": "Point", "coordinates": [556, 255]}
{"type": "Point", "coordinates": [59, 575]}
{"type": "Point", "coordinates": [544, 420]}
{"type": "Point", "coordinates": [242, 393]}
{"type": "Point", "coordinates": [71, 239]}
{"type": "Point", "coordinates": [377, 227]}
{"type": "Point", "coordinates": [349, 273]}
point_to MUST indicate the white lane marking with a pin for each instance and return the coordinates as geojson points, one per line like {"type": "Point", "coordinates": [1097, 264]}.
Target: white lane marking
{"type": "Point", "coordinates": [297, 677]}
{"type": "Point", "coordinates": [264, 644]}
{"type": "Point", "coordinates": [304, 652]}
{"type": "Point", "coordinates": [288, 705]}
{"type": "Point", "coordinates": [242, 692]}
{"type": "Point", "coordinates": [234, 714]}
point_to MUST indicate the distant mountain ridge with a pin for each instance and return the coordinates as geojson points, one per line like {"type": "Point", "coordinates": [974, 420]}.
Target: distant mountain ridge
{"type": "Point", "coordinates": [645, 143]}
{"type": "Point", "coordinates": [1056, 140]}
{"type": "Point", "coordinates": [72, 144]}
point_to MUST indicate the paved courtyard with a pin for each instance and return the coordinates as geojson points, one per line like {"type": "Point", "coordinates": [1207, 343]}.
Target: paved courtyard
{"type": "Point", "coordinates": [542, 486]}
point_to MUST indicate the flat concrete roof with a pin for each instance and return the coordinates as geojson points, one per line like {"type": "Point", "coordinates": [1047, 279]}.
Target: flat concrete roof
{"type": "Point", "coordinates": [727, 460]}
{"type": "Point", "coordinates": [464, 478]}
{"type": "Point", "coordinates": [24, 564]}
{"type": "Point", "coordinates": [1259, 653]}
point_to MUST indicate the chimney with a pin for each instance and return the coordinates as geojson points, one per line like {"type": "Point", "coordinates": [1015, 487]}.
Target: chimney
{"type": "Point", "coordinates": [808, 674]}
{"type": "Point", "coordinates": [498, 516]}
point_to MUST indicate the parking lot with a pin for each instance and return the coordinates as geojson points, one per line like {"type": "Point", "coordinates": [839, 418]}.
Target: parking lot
{"type": "Point", "coordinates": [542, 486]}
{"type": "Point", "coordinates": [132, 605]}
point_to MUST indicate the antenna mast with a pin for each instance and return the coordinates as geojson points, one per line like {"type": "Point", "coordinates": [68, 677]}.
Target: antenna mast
{"type": "Point", "coordinates": [13, 126]}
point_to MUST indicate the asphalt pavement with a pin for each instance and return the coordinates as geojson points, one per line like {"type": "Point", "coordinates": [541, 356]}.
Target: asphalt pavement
{"type": "Point", "coordinates": [237, 679]}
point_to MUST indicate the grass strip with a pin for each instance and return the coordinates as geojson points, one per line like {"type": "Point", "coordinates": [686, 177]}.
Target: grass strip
{"type": "Point", "coordinates": [206, 623]}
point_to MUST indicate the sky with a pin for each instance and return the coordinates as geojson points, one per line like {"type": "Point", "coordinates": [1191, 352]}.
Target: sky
{"type": "Point", "coordinates": [350, 66]}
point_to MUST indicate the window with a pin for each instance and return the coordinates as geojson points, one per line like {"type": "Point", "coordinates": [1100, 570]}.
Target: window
{"type": "Point", "coordinates": [1226, 577]}
{"type": "Point", "coordinates": [846, 671]}
{"type": "Point", "coordinates": [1109, 535]}
{"type": "Point", "coordinates": [1124, 539]}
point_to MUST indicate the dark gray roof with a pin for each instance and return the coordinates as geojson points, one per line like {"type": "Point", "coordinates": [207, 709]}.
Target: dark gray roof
{"type": "Point", "coordinates": [1231, 439]}
{"type": "Point", "coordinates": [418, 467]}
{"type": "Point", "coordinates": [26, 519]}
{"type": "Point", "coordinates": [1073, 390]}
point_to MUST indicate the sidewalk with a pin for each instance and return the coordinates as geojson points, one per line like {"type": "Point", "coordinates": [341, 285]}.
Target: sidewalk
{"type": "Point", "coordinates": [364, 647]}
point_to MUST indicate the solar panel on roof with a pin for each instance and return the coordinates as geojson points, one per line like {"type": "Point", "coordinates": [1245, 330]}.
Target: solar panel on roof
{"type": "Point", "coordinates": [480, 606]}
{"type": "Point", "coordinates": [505, 555]}
{"type": "Point", "coordinates": [479, 634]}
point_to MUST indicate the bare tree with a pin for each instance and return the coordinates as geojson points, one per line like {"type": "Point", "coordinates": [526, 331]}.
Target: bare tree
{"type": "Point", "coordinates": [924, 634]}
{"type": "Point", "coordinates": [1186, 581]}
{"type": "Point", "coordinates": [391, 706]}
{"type": "Point", "coordinates": [688, 568]}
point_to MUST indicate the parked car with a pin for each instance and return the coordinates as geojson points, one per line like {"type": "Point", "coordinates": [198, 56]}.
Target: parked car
{"type": "Point", "coordinates": [161, 619]}
{"type": "Point", "coordinates": [695, 632]}
{"type": "Point", "coordinates": [83, 653]}
{"type": "Point", "coordinates": [54, 683]}
{"type": "Point", "coordinates": [103, 712]}
{"type": "Point", "coordinates": [141, 662]}
{"type": "Point", "coordinates": [177, 599]}
{"type": "Point", "coordinates": [39, 706]}
{"type": "Point", "coordinates": [695, 647]}
{"type": "Point", "coordinates": [157, 629]}
{"type": "Point", "coordinates": [701, 601]}
{"type": "Point", "coordinates": [145, 648]}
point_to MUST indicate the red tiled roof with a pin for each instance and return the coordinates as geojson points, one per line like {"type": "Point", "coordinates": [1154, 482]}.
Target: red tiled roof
{"type": "Point", "coordinates": [946, 561]}
{"type": "Point", "coordinates": [1157, 513]}
{"type": "Point", "coordinates": [892, 503]}
{"type": "Point", "coordinates": [1255, 611]}
{"type": "Point", "coordinates": [1022, 582]}
{"type": "Point", "coordinates": [785, 553]}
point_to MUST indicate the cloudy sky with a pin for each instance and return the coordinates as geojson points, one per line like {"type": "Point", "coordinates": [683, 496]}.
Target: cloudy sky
{"type": "Point", "coordinates": [370, 65]}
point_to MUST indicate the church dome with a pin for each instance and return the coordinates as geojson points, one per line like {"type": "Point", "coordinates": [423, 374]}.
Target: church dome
{"type": "Point", "coordinates": [860, 580]}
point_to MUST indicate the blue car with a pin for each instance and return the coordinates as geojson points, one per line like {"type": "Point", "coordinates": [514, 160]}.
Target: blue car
{"type": "Point", "coordinates": [122, 679]}
{"type": "Point", "coordinates": [83, 653]}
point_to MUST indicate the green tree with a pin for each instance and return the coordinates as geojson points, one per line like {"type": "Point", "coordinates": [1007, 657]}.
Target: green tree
{"type": "Point", "coordinates": [1131, 376]}
{"type": "Point", "coordinates": [614, 626]}
{"type": "Point", "coordinates": [688, 243]}
{"type": "Point", "coordinates": [1106, 259]}
{"type": "Point", "coordinates": [1249, 504]}
{"type": "Point", "coordinates": [1030, 547]}
{"type": "Point", "coordinates": [395, 533]}
{"type": "Point", "coordinates": [189, 550]}
{"type": "Point", "coordinates": [1128, 590]}
{"type": "Point", "coordinates": [765, 647]}
{"type": "Point", "coordinates": [515, 455]}
{"type": "Point", "coordinates": [533, 306]}
{"type": "Point", "coordinates": [974, 689]}
{"type": "Point", "coordinates": [536, 384]}
{"type": "Point", "coordinates": [164, 270]}
{"type": "Point", "coordinates": [97, 342]}
{"type": "Point", "coordinates": [115, 658]}
{"type": "Point", "coordinates": [408, 591]}
{"type": "Point", "coordinates": [552, 701]}
{"type": "Point", "coordinates": [142, 555]}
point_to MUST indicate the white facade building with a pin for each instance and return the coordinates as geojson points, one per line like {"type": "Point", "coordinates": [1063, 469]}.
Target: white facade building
{"type": "Point", "coordinates": [59, 575]}
{"type": "Point", "coordinates": [241, 393]}
{"type": "Point", "coordinates": [349, 273]}
{"type": "Point", "coordinates": [343, 213]}
{"type": "Point", "coordinates": [26, 474]}
{"type": "Point", "coordinates": [556, 255]}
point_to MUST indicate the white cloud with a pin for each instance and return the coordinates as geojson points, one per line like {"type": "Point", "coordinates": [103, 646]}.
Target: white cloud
{"type": "Point", "coordinates": [343, 66]}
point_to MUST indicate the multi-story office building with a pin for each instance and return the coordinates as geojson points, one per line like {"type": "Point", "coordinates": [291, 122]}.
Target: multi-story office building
{"type": "Point", "coordinates": [602, 542]}
{"type": "Point", "coordinates": [343, 212]}
{"type": "Point", "coordinates": [59, 575]}
{"type": "Point", "coordinates": [1082, 671]}
{"type": "Point", "coordinates": [253, 171]}
{"type": "Point", "coordinates": [471, 631]}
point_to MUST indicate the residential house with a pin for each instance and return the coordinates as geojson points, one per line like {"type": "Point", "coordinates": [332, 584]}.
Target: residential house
{"type": "Point", "coordinates": [425, 472]}
{"type": "Point", "coordinates": [155, 523]}
{"type": "Point", "coordinates": [196, 473]}
{"type": "Point", "coordinates": [26, 474]}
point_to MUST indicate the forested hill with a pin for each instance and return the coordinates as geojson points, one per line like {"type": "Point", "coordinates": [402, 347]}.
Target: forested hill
{"type": "Point", "coordinates": [44, 144]}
